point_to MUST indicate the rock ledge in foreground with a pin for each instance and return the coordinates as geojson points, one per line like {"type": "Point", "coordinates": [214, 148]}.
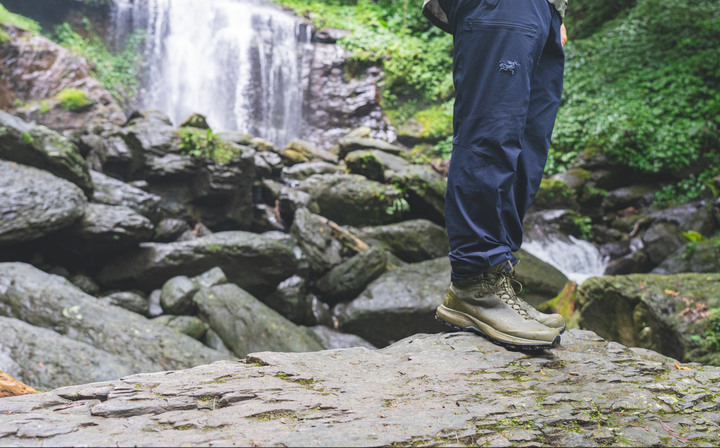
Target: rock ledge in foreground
{"type": "Point", "coordinates": [423, 390]}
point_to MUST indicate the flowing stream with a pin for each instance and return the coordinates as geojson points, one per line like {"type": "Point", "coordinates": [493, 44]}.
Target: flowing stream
{"type": "Point", "coordinates": [577, 259]}
{"type": "Point", "coordinates": [239, 63]}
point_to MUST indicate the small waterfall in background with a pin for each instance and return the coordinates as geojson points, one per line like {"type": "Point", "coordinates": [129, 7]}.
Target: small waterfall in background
{"type": "Point", "coordinates": [577, 259]}
{"type": "Point", "coordinates": [239, 63]}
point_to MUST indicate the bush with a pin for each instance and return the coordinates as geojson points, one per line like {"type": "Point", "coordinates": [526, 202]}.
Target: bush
{"type": "Point", "coordinates": [7, 17]}
{"type": "Point", "coordinates": [120, 72]}
{"type": "Point", "coordinates": [72, 99]}
{"type": "Point", "coordinates": [644, 91]}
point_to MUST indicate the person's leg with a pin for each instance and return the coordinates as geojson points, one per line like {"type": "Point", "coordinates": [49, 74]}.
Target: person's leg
{"type": "Point", "coordinates": [498, 45]}
{"type": "Point", "coordinates": [545, 92]}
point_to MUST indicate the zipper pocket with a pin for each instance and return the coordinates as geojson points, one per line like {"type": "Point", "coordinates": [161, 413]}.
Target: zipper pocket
{"type": "Point", "coordinates": [473, 25]}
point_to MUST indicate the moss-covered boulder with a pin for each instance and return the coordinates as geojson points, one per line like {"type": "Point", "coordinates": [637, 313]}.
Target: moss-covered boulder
{"type": "Point", "coordinates": [412, 240]}
{"type": "Point", "coordinates": [423, 187]}
{"type": "Point", "coordinates": [677, 315]}
{"type": "Point", "coordinates": [354, 200]}
{"type": "Point", "coordinates": [39, 147]}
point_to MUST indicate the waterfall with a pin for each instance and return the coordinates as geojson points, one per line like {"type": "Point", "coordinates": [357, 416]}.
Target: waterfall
{"type": "Point", "coordinates": [577, 259]}
{"type": "Point", "coordinates": [239, 63]}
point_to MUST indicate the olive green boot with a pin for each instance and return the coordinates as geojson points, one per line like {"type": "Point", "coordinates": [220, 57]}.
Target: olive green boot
{"type": "Point", "coordinates": [488, 305]}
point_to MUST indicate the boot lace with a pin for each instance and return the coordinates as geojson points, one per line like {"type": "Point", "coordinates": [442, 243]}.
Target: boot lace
{"type": "Point", "coordinates": [501, 284]}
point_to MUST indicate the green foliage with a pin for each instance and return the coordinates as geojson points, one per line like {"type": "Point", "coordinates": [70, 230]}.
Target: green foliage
{"type": "Point", "coordinates": [206, 144]}
{"type": "Point", "coordinates": [7, 17]}
{"type": "Point", "coordinates": [118, 72]}
{"type": "Point", "coordinates": [584, 17]}
{"type": "Point", "coordinates": [72, 99]}
{"type": "Point", "coordinates": [644, 90]}
{"type": "Point", "coordinates": [416, 57]}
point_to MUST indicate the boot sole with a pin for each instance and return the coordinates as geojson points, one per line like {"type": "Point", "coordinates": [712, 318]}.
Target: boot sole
{"type": "Point", "coordinates": [489, 333]}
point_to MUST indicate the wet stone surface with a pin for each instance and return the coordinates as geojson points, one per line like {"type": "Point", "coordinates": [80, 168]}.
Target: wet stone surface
{"type": "Point", "coordinates": [438, 389]}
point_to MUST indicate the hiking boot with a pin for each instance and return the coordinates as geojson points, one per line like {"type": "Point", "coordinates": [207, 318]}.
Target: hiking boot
{"type": "Point", "coordinates": [553, 320]}
{"type": "Point", "coordinates": [488, 305]}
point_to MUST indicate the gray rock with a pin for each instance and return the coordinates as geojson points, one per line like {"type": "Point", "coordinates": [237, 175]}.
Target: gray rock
{"type": "Point", "coordinates": [310, 152]}
{"type": "Point", "coordinates": [661, 240]}
{"type": "Point", "coordinates": [346, 280]}
{"type": "Point", "coordinates": [39, 147]}
{"type": "Point", "coordinates": [245, 324]}
{"type": "Point", "coordinates": [215, 342]}
{"type": "Point", "coordinates": [667, 314]}
{"type": "Point", "coordinates": [700, 256]}
{"type": "Point", "coordinates": [541, 281]}
{"type": "Point", "coordinates": [86, 284]}
{"type": "Point", "coordinates": [213, 277]}
{"type": "Point", "coordinates": [424, 187]}
{"type": "Point", "coordinates": [636, 196]}
{"type": "Point", "coordinates": [105, 228]}
{"type": "Point", "coordinates": [253, 261]}
{"type": "Point", "coordinates": [412, 241]}
{"type": "Point", "coordinates": [333, 339]}
{"type": "Point", "coordinates": [49, 301]}
{"type": "Point", "coordinates": [445, 389]}
{"type": "Point", "coordinates": [35, 203]}
{"type": "Point", "coordinates": [129, 300]}
{"type": "Point", "coordinates": [316, 239]}
{"type": "Point", "coordinates": [111, 191]}
{"type": "Point", "coordinates": [45, 359]}
{"type": "Point", "coordinates": [349, 144]}
{"type": "Point", "coordinates": [154, 306]}
{"type": "Point", "coordinates": [302, 171]}
{"type": "Point", "coordinates": [189, 325]}
{"type": "Point", "coordinates": [177, 294]}
{"type": "Point", "coordinates": [170, 229]}
{"type": "Point", "coordinates": [292, 300]}
{"type": "Point", "coordinates": [353, 200]}
{"type": "Point", "coordinates": [399, 303]}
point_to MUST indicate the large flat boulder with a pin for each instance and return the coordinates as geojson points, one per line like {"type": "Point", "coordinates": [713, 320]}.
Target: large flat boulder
{"type": "Point", "coordinates": [50, 301]}
{"type": "Point", "coordinates": [452, 389]}
{"type": "Point", "coordinates": [255, 262]}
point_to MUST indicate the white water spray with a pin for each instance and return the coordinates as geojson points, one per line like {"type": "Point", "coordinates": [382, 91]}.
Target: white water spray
{"type": "Point", "coordinates": [577, 259]}
{"type": "Point", "coordinates": [239, 63]}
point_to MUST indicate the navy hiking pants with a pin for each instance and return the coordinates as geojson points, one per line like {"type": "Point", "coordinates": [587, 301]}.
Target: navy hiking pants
{"type": "Point", "coordinates": [508, 74]}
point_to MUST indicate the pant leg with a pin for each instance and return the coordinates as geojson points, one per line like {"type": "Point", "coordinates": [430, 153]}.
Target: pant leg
{"type": "Point", "coordinates": [498, 46]}
{"type": "Point", "coordinates": [545, 93]}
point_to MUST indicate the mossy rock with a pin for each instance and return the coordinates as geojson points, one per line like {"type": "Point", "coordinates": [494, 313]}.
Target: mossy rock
{"type": "Point", "coordinates": [677, 315]}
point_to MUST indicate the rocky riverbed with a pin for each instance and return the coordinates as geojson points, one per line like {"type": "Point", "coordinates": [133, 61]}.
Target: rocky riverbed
{"type": "Point", "coordinates": [429, 389]}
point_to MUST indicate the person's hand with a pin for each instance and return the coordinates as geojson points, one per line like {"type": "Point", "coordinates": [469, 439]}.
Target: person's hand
{"type": "Point", "coordinates": [563, 34]}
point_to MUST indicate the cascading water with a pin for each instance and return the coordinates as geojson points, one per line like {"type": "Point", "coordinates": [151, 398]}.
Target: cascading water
{"type": "Point", "coordinates": [239, 63]}
{"type": "Point", "coordinates": [577, 259]}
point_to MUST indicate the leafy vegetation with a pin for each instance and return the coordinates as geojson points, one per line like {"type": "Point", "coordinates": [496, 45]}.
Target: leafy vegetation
{"type": "Point", "coordinates": [7, 17]}
{"type": "Point", "coordinates": [204, 143]}
{"type": "Point", "coordinates": [72, 99]}
{"type": "Point", "coordinates": [118, 72]}
{"type": "Point", "coordinates": [643, 90]}
{"type": "Point", "coordinates": [415, 56]}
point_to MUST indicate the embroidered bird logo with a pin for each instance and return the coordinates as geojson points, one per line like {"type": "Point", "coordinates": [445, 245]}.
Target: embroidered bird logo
{"type": "Point", "coordinates": [509, 66]}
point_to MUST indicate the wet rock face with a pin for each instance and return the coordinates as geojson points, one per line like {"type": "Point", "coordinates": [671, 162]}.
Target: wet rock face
{"type": "Point", "coordinates": [34, 70]}
{"type": "Point", "coordinates": [35, 203]}
{"type": "Point", "coordinates": [333, 105]}
{"type": "Point", "coordinates": [460, 387]}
